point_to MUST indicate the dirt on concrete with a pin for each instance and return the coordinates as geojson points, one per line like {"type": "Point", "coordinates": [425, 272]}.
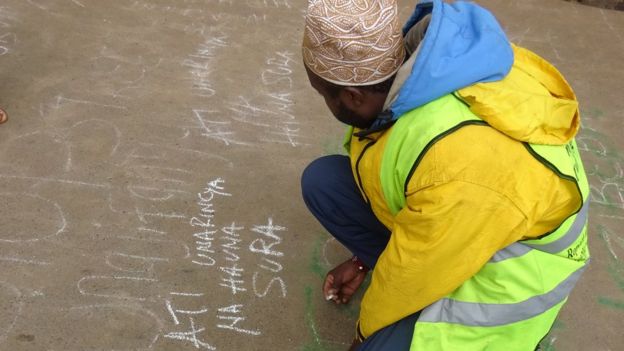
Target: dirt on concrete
{"type": "Point", "coordinates": [149, 174]}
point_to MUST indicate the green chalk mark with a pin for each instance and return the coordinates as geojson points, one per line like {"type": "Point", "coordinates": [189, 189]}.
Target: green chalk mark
{"type": "Point", "coordinates": [547, 346]}
{"type": "Point", "coordinates": [318, 268]}
{"type": "Point", "coordinates": [309, 317]}
{"type": "Point", "coordinates": [315, 265]}
{"type": "Point", "coordinates": [611, 303]}
{"type": "Point", "coordinates": [352, 310]}
{"type": "Point", "coordinates": [615, 270]}
{"type": "Point", "coordinates": [316, 344]}
{"type": "Point", "coordinates": [558, 324]}
{"type": "Point", "coordinates": [617, 273]}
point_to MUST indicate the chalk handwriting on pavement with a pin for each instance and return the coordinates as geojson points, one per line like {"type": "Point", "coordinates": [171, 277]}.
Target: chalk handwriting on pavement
{"type": "Point", "coordinates": [219, 249]}
{"type": "Point", "coordinates": [268, 118]}
{"type": "Point", "coordinates": [227, 252]}
{"type": "Point", "coordinates": [605, 171]}
{"type": "Point", "coordinates": [127, 205]}
{"type": "Point", "coordinates": [7, 38]}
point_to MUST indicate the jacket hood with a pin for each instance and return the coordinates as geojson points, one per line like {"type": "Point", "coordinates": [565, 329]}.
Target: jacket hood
{"type": "Point", "coordinates": [460, 48]}
{"type": "Point", "coordinates": [463, 45]}
{"type": "Point", "coordinates": [533, 103]}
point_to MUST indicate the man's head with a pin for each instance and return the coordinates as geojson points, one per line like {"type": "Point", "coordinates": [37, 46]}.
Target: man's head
{"type": "Point", "coordinates": [352, 50]}
{"type": "Point", "coordinates": [354, 105]}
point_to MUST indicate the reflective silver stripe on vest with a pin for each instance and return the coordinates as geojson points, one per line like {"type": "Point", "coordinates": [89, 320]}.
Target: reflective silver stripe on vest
{"type": "Point", "coordinates": [489, 315]}
{"type": "Point", "coordinates": [511, 251]}
{"type": "Point", "coordinates": [518, 249]}
{"type": "Point", "coordinates": [570, 237]}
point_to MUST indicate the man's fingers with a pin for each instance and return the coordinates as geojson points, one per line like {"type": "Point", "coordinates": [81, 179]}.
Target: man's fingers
{"type": "Point", "coordinates": [345, 297]}
{"type": "Point", "coordinates": [331, 294]}
{"type": "Point", "coordinates": [329, 291]}
{"type": "Point", "coordinates": [328, 284]}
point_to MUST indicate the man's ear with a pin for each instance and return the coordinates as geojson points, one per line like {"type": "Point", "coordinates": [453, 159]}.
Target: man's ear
{"type": "Point", "coordinates": [353, 97]}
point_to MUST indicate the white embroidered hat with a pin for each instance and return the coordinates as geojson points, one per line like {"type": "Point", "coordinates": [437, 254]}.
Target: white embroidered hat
{"type": "Point", "coordinates": [353, 42]}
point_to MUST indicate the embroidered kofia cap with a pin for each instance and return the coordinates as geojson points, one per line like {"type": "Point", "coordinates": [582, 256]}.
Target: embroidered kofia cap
{"type": "Point", "coordinates": [353, 42]}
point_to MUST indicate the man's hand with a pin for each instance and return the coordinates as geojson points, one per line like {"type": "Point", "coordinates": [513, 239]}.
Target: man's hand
{"type": "Point", "coordinates": [342, 282]}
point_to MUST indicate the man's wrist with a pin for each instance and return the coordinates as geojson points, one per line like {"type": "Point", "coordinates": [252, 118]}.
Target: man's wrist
{"type": "Point", "coordinates": [359, 264]}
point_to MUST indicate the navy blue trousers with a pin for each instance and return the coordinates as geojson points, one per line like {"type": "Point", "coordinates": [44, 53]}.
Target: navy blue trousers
{"type": "Point", "coordinates": [330, 192]}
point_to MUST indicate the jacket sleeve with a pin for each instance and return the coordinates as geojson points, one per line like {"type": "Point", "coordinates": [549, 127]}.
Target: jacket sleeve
{"type": "Point", "coordinates": [441, 238]}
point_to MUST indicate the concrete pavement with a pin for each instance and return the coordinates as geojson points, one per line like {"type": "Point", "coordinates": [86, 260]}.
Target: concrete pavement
{"type": "Point", "coordinates": [149, 174]}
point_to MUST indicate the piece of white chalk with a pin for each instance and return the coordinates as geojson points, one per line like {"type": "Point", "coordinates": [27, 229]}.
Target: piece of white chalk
{"type": "Point", "coordinates": [329, 297]}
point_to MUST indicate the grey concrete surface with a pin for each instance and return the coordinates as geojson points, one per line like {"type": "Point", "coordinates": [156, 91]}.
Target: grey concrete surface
{"type": "Point", "coordinates": [149, 174]}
